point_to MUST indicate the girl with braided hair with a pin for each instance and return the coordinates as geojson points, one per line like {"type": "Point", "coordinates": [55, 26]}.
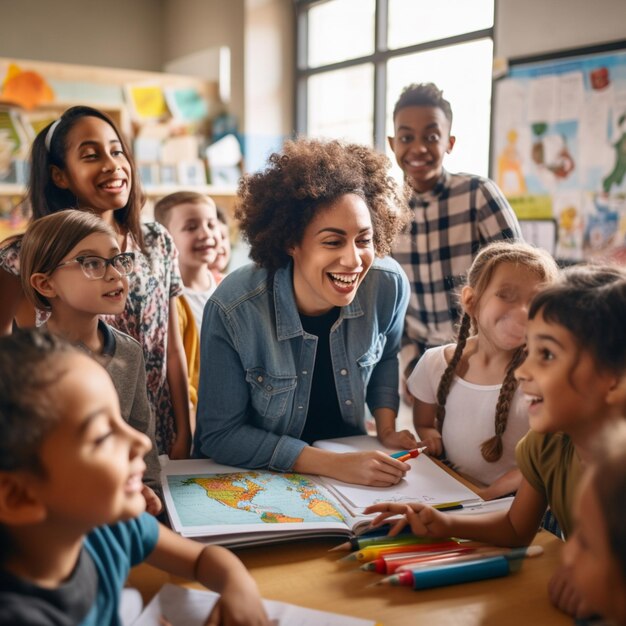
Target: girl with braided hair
{"type": "Point", "coordinates": [459, 388]}
{"type": "Point", "coordinates": [574, 382]}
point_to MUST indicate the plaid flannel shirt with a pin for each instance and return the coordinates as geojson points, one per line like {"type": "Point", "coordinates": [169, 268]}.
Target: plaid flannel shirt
{"type": "Point", "coordinates": [449, 224]}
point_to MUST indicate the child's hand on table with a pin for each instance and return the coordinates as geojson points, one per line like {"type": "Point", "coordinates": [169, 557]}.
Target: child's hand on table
{"type": "Point", "coordinates": [239, 607]}
{"type": "Point", "coordinates": [400, 440]}
{"type": "Point", "coordinates": [423, 519]}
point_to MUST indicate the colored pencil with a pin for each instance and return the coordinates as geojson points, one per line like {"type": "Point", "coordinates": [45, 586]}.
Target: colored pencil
{"type": "Point", "coordinates": [410, 454]}
{"type": "Point", "coordinates": [358, 543]}
{"type": "Point", "coordinates": [373, 552]}
{"type": "Point", "coordinates": [461, 570]}
{"type": "Point", "coordinates": [389, 563]}
{"type": "Point", "coordinates": [480, 553]}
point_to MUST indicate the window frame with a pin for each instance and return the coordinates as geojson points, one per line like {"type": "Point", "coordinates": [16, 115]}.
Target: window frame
{"type": "Point", "coordinates": [379, 58]}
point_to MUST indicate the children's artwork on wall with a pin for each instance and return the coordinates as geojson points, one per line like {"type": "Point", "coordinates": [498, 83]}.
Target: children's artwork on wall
{"type": "Point", "coordinates": [186, 104]}
{"type": "Point", "coordinates": [25, 88]}
{"type": "Point", "coordinates": [560, 147]}
{"type": "Point", "coordinates": [146, 102]}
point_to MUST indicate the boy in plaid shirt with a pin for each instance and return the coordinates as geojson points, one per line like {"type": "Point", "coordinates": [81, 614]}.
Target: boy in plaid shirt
{"type": "Point", "coordinates": [453, 215]}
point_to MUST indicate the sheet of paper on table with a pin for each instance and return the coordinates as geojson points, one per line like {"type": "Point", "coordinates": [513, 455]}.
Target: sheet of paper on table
{"type": "Point", "coordinates": [191, 607]}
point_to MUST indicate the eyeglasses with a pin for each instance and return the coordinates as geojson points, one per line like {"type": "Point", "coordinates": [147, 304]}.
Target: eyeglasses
{"type": "Point", "coordinates": [95, 267]}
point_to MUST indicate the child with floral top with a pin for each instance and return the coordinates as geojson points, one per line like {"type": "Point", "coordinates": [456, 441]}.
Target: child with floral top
{"type": "Point", "coordinates": [82, 161]}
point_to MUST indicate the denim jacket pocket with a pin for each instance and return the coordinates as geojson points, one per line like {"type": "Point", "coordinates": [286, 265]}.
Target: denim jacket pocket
{"type": "Point", "coordinates": [368, 361]}
{"type": "Point", "coordinates": [269, 394]}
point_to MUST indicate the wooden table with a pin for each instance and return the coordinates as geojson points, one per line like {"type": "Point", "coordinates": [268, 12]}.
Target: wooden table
{"type": "Point", "coordinates": [305, 573]}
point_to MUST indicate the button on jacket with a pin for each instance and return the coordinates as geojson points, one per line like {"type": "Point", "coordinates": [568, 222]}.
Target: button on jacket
{"type": "Point", "coordinates": [256, 363]}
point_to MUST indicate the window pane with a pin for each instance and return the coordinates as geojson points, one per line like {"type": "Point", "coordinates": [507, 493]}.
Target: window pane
{"type": "Point", "coordinates": [340, 104]}
{"type": "Point", "coordinates": [340, 30]}
{"type": "Point", "coordinates": [412, 22]}
{"type": "Point", "coordinates": [464, 73]}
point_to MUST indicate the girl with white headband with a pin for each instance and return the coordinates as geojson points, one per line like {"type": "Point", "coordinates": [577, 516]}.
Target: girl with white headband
{"type": "Point", "coordinates": [82, 161]}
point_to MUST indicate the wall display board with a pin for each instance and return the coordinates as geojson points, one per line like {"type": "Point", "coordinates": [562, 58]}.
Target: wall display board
{"type": "Point", "coordinates": [559, 149]}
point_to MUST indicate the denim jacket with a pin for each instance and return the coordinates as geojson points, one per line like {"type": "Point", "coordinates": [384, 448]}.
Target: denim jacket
{"type": "Point", "coordinates": [256, 363]}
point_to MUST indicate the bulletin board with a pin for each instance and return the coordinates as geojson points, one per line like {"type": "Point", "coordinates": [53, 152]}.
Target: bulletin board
{"type": "Point", "coordinates": [559, 149]}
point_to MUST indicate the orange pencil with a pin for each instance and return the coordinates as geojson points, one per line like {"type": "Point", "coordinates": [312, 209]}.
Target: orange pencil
{"type": "Point", "coordinates": [369, 554]}
{"type": "Point", "coordinates": [389, 563]}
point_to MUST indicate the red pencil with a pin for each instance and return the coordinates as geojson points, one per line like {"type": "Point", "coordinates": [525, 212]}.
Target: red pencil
{"type": "Point", "coordinates": [390, 563]}
{"type": "Point", "coordinates": [369, 554]}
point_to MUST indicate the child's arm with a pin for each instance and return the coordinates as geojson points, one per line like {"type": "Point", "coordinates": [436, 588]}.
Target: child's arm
{"type": "Point", "coordinates": [385, 419]}
{"type": "Point", "coordinates": [564, 596]}
{"type": "Point", "coordinates": [425, 422]}
{"type": "Point", "coordinates": [177, 379]}
{"type": "Point", "coordinates": [506, 484]}
{"type": "Point", "coordinates": [515, 527]}
{"type": "Point", "coordinates": [217, 569]}
{"type": "Point", "coordinates": [153, 503]}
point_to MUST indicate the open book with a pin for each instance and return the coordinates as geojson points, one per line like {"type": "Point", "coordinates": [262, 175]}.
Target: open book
{"type": "Point", "coordinates": [233, 506]}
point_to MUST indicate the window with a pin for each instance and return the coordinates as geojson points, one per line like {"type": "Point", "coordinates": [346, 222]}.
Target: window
{"type": "Point", "coordinates": [340, 30]}
{"type": "Point", "coordinates": [356, 56]}
{"type": "Point", "coordinates": [337, 104]}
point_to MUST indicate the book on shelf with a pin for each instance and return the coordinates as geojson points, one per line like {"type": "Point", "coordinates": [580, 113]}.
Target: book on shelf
{"type": "Point", "coordinates": [237, 507]}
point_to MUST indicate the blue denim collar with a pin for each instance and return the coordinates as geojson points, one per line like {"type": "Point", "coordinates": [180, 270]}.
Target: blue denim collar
{"type": "Point", "coordinates": [288, 323]}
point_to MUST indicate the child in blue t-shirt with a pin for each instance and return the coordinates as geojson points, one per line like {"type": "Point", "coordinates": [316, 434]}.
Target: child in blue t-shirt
{"type": "Point", "coordinates": [72, 519]}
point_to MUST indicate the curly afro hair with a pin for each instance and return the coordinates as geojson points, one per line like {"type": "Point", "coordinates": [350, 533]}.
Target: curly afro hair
{"type": "Point", "coordinates": [278, 203]}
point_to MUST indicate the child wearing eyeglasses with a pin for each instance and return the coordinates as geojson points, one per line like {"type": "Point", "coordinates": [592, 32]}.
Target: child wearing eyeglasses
{"type": "Point", "coordinates": [72, 267]}
{"type": "Point", "coordinates": [83, 161]}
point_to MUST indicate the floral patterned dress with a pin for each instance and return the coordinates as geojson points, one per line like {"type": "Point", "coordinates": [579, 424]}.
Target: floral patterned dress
{"type": "Point", "coordinates": [154, 282]}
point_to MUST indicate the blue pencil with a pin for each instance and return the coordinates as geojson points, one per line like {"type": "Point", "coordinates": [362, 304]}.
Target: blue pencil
{"type": "Point", "coordinates": [481, 568]}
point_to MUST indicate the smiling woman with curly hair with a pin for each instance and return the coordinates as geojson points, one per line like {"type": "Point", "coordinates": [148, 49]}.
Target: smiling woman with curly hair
{"type": "Point", "coordinates": [278, 203]}
{"type": "Point", "coordinates": [295, 344]}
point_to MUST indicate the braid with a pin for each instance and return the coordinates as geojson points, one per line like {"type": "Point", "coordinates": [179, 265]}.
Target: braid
{"type": "Point", "coordinates": [446, 379]}
{"type": "Point", "coordinates": [492, 448]}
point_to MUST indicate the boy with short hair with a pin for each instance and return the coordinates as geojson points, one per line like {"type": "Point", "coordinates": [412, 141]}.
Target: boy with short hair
{"type": "Point", "coordinates": [453, 215]}
{"type": "Point", "coordinates": [224, 250]}
{"type": "Point", "coordinates": [72, 515]}
{"type": "Point", "coordinates": [191, 218]}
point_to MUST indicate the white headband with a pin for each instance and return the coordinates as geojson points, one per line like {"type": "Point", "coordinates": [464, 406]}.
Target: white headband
{"type": "Point", "coordinates": [50, 133]}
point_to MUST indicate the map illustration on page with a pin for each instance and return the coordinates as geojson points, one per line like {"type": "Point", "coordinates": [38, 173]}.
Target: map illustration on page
{"type": "Point", "coordinates": [235, 506]}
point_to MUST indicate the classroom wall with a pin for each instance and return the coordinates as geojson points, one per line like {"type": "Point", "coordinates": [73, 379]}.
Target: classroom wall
{"type": "Point", "coordinates": [115, 33]}
{"type": "Point", "coordinates": [194, 25]}
{"type": "Point", "coordinates": [530, 27]}
{"type": "Point", "coordinates": [268, 85]}
{"type": "Point", "coordinates": [146, 34]}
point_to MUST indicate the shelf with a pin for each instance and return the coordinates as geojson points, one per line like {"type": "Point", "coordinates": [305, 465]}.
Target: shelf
{"type": "Point", "coordinates": [12, 189]}
{"type": "Point", "coordinates": [153, 191]}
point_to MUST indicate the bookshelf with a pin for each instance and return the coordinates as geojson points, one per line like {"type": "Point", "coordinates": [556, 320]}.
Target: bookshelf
{"type": "Point", "coordinates": [107, 89]}
{"type": "Point", "coordinates": [224, 197]}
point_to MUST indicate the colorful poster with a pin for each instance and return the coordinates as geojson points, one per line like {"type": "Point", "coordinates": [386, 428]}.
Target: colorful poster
{"type": "Point", "coordinates": [560, 149]}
